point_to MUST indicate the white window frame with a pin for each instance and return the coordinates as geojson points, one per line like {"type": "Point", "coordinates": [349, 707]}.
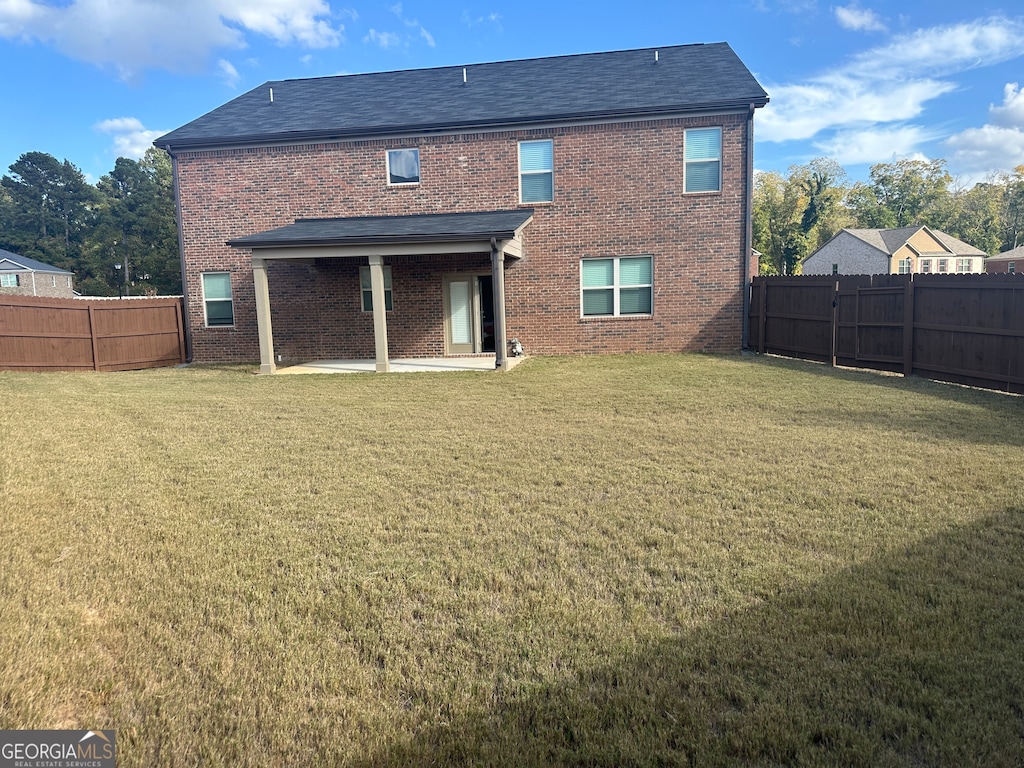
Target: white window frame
{"type": "Point", "coordinates": [925, 266]}
{"type": "Point", "coordinates": [942, 265]}
{"type": "Point", "coordinates": [1011, 267]}
{"type": "Point", "coordinates": [964, 265]}
{"type": "Point", "coordinates": [419, 167]}
{"type": "Point", "coordinates": [616, 287]}
{"type": "Point", "coordinates": [904, 267]}
{"type": "Point", "coordinates": [549, 171]}
{"type": "Point", "coordinates": [206, 301]}
{"type": "Point", "coordinates": [9, 281]}
{"type": "Point", "coordinates": [687, 163]}
{"type": "Point", "coordinates": [366, 294]}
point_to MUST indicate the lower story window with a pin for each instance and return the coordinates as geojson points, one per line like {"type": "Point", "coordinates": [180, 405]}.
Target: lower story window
{"type": "Point", "coordinates": [963, 265]}
{"type": "Point", "coordinates": [8, 281]}
{"type": "Point", "coordinates": [943, 265]}
{"type": "Point", "coordinates": [217, 301]}
{"type": "Point", "coordinates": [619, 286]}
{"type": "Point", "coordinates": [904, 266]}
{"type": "Point", "coordinates": [926, 266]}
{"type": "Point", "coordinates": [367, 289]}
{"type": "Point", "coordinates": [1011, 267]}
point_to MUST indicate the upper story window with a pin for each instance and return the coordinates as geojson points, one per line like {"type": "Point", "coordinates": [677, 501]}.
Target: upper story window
{"type": "Point", "coordinates": [403, 166]}
{"type": "Point", "coordinates": [217, 299]}
{"type": "Point", "coordinates": [617, 286]}
{"type": "Point", "coordinates": [702, 149]}
{"type": "Point", "coordinates": [366, 289]}
{"type": "Point", "coordinates": [963, 265]}
{"type": "Point", "coordinates": [536, 171]}
{"type": "Point", "coordinates": [8, 281]}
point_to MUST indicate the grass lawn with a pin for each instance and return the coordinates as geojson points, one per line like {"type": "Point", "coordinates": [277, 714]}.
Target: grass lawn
{"type": "Point", "coordinates": [612, 561]}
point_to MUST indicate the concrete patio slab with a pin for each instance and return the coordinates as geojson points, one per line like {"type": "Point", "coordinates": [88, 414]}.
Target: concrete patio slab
{"type": "Point", "coordinates": [409, 365]}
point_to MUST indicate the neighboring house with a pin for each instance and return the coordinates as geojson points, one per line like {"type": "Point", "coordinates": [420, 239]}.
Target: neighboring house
{"type": "Point", "coordinates": [893, 251]}
{"type": "Point", "coordinates": [580, 204]}
{"type": "Point", "coordinates": [1008, 261]}
{"type": "Point", "coordinates": [22, 276]}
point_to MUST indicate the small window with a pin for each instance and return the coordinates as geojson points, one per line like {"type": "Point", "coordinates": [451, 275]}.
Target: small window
{"type": "Point", "coordinates": [616, 287]}
{"type": "Point", "coordinates": [403, 166]}
{"type": "Point", "coordinates": [367, 289]}
{"type": "Point", "coordinates": [217, 299]}
{"type": "Point", "coordinates": [536, 171]}
{"type": "Point", "coordinates": [963, 265]}
{"type": "Point", "coordinates": [943, 265]}
{"type": "Point", "coordinates": [53, 281]}
{"type": "Point", "coordinates": [1011, 267]}
{"type": "Point", "coordinates": [69, 281]}
{"type": "Point", "coordinates": [703, 166]}
{"type": "Point", "coordinates": [926, 266]}
{"type": "Point", "coordinates": [8, 281]}
{"type": "Point", "coordinates": [835, 269]}
{"type": "Point", "coordinates": [904, 266]}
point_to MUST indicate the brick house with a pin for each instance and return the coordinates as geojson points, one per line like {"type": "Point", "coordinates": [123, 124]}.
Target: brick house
{"type": "Point", "coordinates": [22, 276]}
{"type": "Point", "coordinates": [1007, 262]}
{"type": "Point", "coordinates": [580, 204]}
{"type": "Point", "coordinates": [902, 251]}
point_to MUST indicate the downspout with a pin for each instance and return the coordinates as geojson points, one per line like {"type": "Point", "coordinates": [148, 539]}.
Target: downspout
{"type": "Point", "coordinates": [181, 255]}
{"type": "Point", "coordinates": [34, 283]}
{"type": "Point", "coordinates": [498, 300]}
{"type": "Point", "coordinates": [748, 235]}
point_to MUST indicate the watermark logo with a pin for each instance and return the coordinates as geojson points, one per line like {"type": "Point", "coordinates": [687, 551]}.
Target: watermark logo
{"type": "Point", "coordinates": [57, 749]}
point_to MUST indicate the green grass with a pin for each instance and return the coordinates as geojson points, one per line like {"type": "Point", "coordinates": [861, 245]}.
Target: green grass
{"type": "Point", "coordinates": [600, 561]}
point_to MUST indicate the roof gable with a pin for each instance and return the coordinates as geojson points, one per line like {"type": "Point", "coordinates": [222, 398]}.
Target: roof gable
{"type": "Point", "coordinates": [13, 262]}
{"type": "Point", "coordinates": [889, 241]}
{"type": "Point", "coordinates": [633, 83]}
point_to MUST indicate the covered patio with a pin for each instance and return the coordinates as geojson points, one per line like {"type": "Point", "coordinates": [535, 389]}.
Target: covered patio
{"type": "Point", "coordinates": [406, 365]}
{"type": "Point", "coordinates": [374, 239]}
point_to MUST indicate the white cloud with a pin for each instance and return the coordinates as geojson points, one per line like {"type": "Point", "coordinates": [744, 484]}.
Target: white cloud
{"type": "Point", "coordinates": [855, 109]}
{"type": "Point", "coordinates": [473, 21]}
{"type": "Point", "coordinates": [858, 19]}
{"type": "Point", "coordinates": [228, 73]}
{"type": "Point", "coordinates": [871, 145]}
{"type": "Point", "coordinates": [427, 36]}
{"type": "Point", "coordinates": [996, 146]}
{"type": "Point", "coordinates": [131, 139]}
{"type": "Point", "coordinates": [383, 39]}
{"type": "Point", "coordinates": [177, 35]}
{"type": "Point", "coordinates": [1011, 114]}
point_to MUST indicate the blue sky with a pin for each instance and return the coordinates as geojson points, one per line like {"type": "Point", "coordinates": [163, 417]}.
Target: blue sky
{"type": "Point", "coordinates": [862, 82]}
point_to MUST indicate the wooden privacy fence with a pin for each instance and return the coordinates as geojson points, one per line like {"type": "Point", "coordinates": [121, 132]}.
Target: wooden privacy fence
{"type": "Point", "coordinates": [42, 334]}
{"type": "Point", "coordinates": [967, 329]}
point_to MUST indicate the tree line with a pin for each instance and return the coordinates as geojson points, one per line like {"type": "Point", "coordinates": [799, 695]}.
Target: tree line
{"type": "Point", "coordinates": [796, 214]}
{"type": "Point", "coordinates": [119, 235]}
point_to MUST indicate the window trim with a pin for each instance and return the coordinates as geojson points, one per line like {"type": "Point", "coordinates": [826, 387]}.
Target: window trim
{"type": "Point", "coordinates": [387, 167]}
{"type": "Point", "coordinates": [363, 303]}
{"type": "Point", "coordinates": [206, 301]}
{"type": "Point", "coordinates": [925, 265]}
{"type": "Point", "coordinates": [719, 160]}
{"type": "Point", "coordinates": [616, 287]}
{"type": "Point", "coordinates": [1011, 267]}
{"type": "Point", "coordinates": [550, 171]}
{"type": "Point", "coordinates": [942, 266]}
{"type": "Point", "coordinates": [905, 266]}
{"type": "Point", "coordinates": [964, 265]}
{"type": "Point", "coordinates": [5, 280]}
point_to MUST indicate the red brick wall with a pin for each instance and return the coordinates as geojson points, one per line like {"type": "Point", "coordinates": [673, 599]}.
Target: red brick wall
{"type": "Point", "coordinates": [618, 192]}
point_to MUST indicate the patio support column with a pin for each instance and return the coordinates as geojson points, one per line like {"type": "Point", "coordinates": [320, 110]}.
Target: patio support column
{"type": "Point", "coordinates": [380, 322]}
{"type": "Point", "coordinates": [266, 333]}
{"type": "Point", "coordinates": [498, 285]}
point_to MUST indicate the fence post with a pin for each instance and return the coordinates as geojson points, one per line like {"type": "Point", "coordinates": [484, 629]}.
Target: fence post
{"type": "Point", "coordinates": [95, 343]}
{"type": "Point", "coordinates": [179, 316]}
{"type": "Point", "coordinates": [761, 317]}
{"type": "Point", "coordinates": [908, 326]}
{"type": "Point", "coordinates": [835, 320]}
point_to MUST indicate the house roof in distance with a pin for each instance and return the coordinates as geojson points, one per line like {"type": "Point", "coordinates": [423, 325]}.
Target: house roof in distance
{"type": "Point", "coordinates": [592, 86]}
{"type": "Point", "coordinates": [15, 263]}
{"type": "Point", "coordinates": [1017, 254]}
{"type": "Point", "coordinates": [891, 240]}
{"type": "Point", "coordinates": [367, 230]}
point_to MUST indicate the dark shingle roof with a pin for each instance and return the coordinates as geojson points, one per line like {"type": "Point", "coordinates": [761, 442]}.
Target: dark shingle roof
{"type": "Point", "coordinates": [439, 227]}
{"type": "Point", "coordinates": [891, 240]}
{"type": "Point", "coordinates": [587, 86]}
{"type": "Point", "coordinates": [12, 261]}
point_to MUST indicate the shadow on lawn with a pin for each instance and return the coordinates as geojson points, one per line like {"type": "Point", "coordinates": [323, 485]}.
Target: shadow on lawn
{"type": "Point", "coordinates": [915, 658]}
{"type": "Point", "coordinates": [997, 420]}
